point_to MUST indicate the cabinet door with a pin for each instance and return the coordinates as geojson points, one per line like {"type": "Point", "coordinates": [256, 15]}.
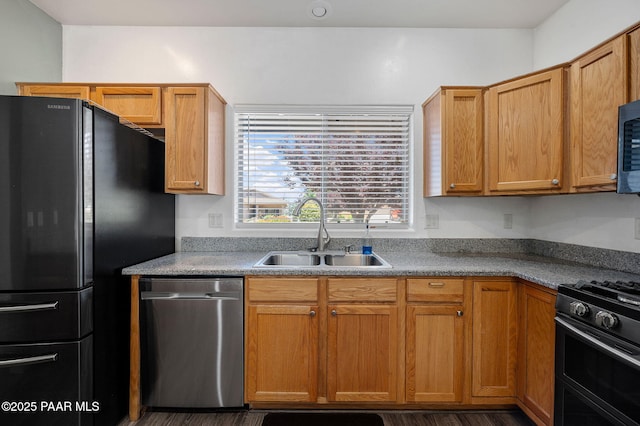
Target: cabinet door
{"type": "Point", "coordinates": [140, 105]}
{"type": "Point", "coordinates": [463, 141]}
{"type": "Point", "coordinates": [186, 151]}
{"type": "Point", "coordinates": [362, 353]}
{"type": "Point", "coordinates": [536, 352]}
{"type": "Point", "coordinates": [526, 134]}
{"type": "Point", "coordinates": [634, 64]}
{"type": "Point", "coordinates": [435, 353]}
{"type": "Point", "coordinates": [55, 91]}
{"type": "Point", "coordinates": [453, 142]}
{"type": "Point", "coordinates": [494, 339]}
{"type": "Point", "coordinates": [598, 87]}
{"type": "Point", "coordinates": [282, 353]}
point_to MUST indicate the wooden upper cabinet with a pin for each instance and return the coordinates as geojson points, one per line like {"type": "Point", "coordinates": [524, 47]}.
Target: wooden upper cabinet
{"type": "Point", "coordinates": [526, 134]}
{"type": "Point", "coordinates": [633, 40]}
{"type": "Point", "coordinates": [194, 136]}
{"type": "Point", "coordinates": [193, 117]}
{"type": "Point", "coordinates": [54, 90]}
{"type": "Point", "coordinates": [140, 105]}
{"type": "Point", "coordinates": [598, 87]}
{"type": "Point", "coordinates": [453, 142]}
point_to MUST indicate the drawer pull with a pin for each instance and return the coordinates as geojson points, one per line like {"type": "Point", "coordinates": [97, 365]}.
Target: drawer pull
{"type": "Point", "coordinates": [312, 314]}
{"type": "Point", "coordinates": [436, 285]}
{"type": "Point", "coordinates": [334, 313]}
{"type": "Point", "coordinates": [28, 308]}
{"type": "Point", "coordinates": [28, 360]}
{"type": "Point", "coordinates": [459, 313]}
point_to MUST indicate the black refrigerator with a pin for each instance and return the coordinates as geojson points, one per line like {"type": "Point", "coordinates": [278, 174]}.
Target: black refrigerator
{"type": "Point", "coordinates": [81, 197]}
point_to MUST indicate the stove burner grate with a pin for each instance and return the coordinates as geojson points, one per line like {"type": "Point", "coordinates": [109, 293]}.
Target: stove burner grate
{"type": "Point", "coordinates": [623, 291]}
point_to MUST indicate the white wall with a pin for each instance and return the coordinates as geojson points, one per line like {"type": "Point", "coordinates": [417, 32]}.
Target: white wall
{"type": "Point", "coordinates": [314, 65]}
{"type": "Point", "coordinates": [30, 45]}
{"type": "Point", "coordinates": [598, 220]}
{"type": "Point", "coordinates": [580, 25]}
{"type": "Point", "coordinates": [366, 65]}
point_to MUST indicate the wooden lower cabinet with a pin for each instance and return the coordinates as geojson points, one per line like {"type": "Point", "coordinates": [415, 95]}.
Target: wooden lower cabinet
{"type": "Point", "coordinates": [437, 349]}
{"type": "Point", "coordinates": [435, 353]}
{"type": "Point", "coordinates": [536, 350]}
{"type": "Point", "coordinates": [281, 346]}
{"type": "Point", "coordinates": [495, 338]}
{"type": "Point", "coordinates": [362, 353]}
{"type": "Point", "coordinates": [282, 363]}
{"type": "Point", "coordinates": [399, 342]}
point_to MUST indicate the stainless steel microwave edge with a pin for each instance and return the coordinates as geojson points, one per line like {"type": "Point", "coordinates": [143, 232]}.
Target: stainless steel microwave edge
{"type": "Point", "coordinates": [629, 148]}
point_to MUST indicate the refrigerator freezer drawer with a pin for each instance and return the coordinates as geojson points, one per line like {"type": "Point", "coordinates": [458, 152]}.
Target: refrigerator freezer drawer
{"type": "Point", "coordinates": [46, 316]}
{"type": "Point", "coordinates": [45, 373]}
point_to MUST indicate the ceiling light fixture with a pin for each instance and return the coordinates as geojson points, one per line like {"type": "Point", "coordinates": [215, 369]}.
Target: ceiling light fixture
{"type": "Point", "coordinates": [319, 9]}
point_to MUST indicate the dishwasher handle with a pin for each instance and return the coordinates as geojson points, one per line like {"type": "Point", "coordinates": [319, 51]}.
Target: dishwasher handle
{"type": "Point", "coordinates": [165, 295]}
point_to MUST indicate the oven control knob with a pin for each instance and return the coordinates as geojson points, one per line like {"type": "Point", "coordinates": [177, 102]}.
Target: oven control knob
{"type": "Point", "coordinates": [606, 320]}
{"type": "Point", "coordinates": [579, 309]}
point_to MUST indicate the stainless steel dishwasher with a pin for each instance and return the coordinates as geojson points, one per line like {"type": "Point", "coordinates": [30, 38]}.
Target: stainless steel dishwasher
{"type": "Point", "coordinates": [191, 336]}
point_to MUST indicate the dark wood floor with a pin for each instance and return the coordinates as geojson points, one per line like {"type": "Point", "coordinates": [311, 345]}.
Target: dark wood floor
{"type": "Point", "coordinates": [390, 418]}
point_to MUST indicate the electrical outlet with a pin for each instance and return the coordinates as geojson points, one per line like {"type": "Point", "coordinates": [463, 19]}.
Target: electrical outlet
{"type": "Point", "coordinates": [215, 220]}
{"type": "Point", "coordinates": [433, 221]}
{"type": "Point", "coordinates": [637, 233]}
{"type": "Point", "coordinates": [508, 221]}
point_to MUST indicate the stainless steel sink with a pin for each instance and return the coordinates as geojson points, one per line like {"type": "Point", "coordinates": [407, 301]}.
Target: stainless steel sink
{"type": "Point", "coordinates": [289, 259]}
{"type": "Point", "coordinates": [334, 259]}
{"type": "Point", "coordinates": [354, 259]}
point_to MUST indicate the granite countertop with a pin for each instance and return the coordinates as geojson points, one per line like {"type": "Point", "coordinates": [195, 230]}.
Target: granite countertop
{"type": "Point", "coordinates": [547, 271]}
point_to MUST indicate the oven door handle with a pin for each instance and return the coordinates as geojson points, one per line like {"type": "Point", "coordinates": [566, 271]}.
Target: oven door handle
{"type": "Point", "coordinates": [28, 360]}
{"type": "Point", "coordinates": [606, 348]}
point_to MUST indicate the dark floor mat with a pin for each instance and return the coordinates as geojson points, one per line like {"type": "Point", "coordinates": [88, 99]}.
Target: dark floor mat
{"type": "Point", "coordinates": [322, 419]}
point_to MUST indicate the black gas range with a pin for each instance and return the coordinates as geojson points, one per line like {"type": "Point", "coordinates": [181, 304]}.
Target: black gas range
{"type": "Point", "coordinates": [598, 353]}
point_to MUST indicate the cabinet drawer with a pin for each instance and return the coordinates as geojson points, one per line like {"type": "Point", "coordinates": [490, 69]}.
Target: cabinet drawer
{"type": "Point", "coordinates": [435, 290]}
{"type": "Point", "coordinates": [362, 289]}
{"type": "Point", "coordinates": [283, 289]}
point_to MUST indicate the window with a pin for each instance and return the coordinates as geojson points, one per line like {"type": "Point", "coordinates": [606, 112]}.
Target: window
{"type": "Point", "coordinates": [354, 159]}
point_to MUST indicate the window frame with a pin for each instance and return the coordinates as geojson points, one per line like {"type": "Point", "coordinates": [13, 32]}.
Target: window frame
{"type": "Point", "coordinates": [324, 110]}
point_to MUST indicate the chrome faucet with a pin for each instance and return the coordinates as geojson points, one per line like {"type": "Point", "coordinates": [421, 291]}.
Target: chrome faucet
{"type": "Point", "coordinates": [323, 235]}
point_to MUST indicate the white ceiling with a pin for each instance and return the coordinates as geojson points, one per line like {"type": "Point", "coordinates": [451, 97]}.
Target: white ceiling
{"type": "Point", "coordinates": [297, 13]}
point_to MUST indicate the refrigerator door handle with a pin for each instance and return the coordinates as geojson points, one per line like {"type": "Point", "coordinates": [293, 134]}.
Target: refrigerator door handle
{"type": "Point", "coordinates": [161, 295]}
{"type": "Point", "coordinates": [28, 308]}
{"type": "Point", "coordinates": [29, 360]}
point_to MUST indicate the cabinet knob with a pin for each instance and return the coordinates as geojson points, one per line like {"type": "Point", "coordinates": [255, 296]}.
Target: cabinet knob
{"type": "Point", "coordinates": [334, 313]}
{"type": "Point", "coordinates": [312, 314]}
{"type": "Point", "coordinates": [459, 313]}
{"type": "Point", "coordinates": [196, 183]}
{"type": "Point", "coordinates": [613, 176]}
{"type": "Point", "coordinates": [452, 185]}
{"type": "Point", "coordinates": [555, 181]}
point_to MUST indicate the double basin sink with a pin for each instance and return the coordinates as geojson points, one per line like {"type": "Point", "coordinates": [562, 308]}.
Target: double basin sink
{"type": "Point", "coordinates": [306, 259]}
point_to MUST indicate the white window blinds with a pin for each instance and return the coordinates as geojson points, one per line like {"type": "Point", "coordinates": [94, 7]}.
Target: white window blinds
{"type": "Point", "coordinates": [354, 159]}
